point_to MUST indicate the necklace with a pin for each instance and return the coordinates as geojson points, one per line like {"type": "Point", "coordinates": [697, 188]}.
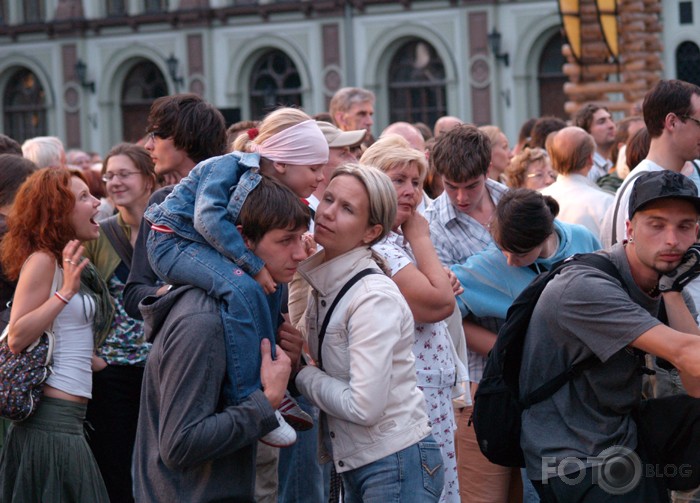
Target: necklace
{"type": "Point", "coordinates": [654, 291]}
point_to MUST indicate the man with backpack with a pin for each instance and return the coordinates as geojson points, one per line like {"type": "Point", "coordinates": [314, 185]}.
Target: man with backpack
{"type": "Point", "coordinates": [593, 439]}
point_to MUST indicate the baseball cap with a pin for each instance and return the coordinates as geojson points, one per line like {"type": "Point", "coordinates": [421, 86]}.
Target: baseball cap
{"type": "Point", "coordinates": [337, 138]}
{"type": "Point", "coordinates": [662, 185]}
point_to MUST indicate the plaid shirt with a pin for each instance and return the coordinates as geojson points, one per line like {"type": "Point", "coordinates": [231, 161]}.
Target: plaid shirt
{"type": "Point", "coordinates": [456, 237]}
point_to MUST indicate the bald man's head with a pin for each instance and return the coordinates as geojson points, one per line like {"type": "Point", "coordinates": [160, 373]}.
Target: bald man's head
{"type": "Point", "coordinates": [407, 131]}
{"type": "Point", "coordinates": [446, 123]}
{"type": "Point", "coordinates": [571, 151]}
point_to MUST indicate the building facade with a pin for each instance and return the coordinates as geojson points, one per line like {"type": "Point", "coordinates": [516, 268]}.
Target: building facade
{"type": "Point", "coordinates": [87, 71]}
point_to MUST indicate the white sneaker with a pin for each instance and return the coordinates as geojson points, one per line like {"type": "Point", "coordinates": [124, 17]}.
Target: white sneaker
{"type": "Point", "coordinates": [282, 436]}
{"type": "Point", "coordinates": [295, 415]}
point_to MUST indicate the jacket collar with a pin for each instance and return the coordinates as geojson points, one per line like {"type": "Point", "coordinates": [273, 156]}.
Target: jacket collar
{"type": "Point", "coordinates": [326, 277]}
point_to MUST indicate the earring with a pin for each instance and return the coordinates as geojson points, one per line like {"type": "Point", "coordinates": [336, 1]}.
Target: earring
{"type": "Point", "coordinates": [630, 240]}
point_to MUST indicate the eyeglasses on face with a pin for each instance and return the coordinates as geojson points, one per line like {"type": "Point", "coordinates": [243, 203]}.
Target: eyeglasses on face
{"type": "Point", "coordinates": [696, 121]}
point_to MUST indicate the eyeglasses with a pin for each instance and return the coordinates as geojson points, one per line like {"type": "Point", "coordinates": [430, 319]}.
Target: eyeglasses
{"type": "Point", "coordinates": [155, 134]}
{"type": "Point", "coordinates": [696, 121]}
{"type": "Point", "coordinates": [108, 177]}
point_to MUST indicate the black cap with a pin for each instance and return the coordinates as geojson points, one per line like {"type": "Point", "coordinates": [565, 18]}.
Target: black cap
{"type": "Point", "coordinates": [662, 185]}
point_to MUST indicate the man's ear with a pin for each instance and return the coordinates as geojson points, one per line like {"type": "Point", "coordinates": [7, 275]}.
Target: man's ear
{"type": "Point", "coordinates": [630, 230]}
{"type": "Point", "coordinates": [248, 243]}
{"type": "Point", "coordinates": [339, 119]}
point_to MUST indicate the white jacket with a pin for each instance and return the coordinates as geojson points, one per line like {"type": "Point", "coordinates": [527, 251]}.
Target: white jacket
{"type": "Point", "coordinates": [367, 388]}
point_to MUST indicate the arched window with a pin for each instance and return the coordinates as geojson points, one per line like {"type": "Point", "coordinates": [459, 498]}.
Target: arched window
{"type": "Point", "coordinates": [551, 78]}
{"type": "Point", "coordinates": [143, 84]}
{"type": "Point", "coordinates": [688, 62]}
{"type": "Point", "coordinates": [274, 82]}
{"type": "Point", "coordinates": [416, 84]}
{"type": "Point", "coordinates": [24, 104]}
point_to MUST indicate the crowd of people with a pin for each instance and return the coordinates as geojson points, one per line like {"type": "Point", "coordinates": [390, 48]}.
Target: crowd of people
{"type": "Point", "coordinates": [293, 310]}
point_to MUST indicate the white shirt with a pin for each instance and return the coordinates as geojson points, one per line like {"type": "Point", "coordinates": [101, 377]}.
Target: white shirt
{"type": "Point", "coordinates": [580, 200]}
{"type": "Point", "coordinates": [622, 199]}
{"type": "Point", "coordinates": [601, 167]}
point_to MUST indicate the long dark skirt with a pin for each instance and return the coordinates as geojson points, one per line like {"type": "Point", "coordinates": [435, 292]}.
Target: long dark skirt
{"type": "Point", "coordinates": [46, 458]}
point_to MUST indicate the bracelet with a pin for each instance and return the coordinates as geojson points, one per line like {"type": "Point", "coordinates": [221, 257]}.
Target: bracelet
{"type": "Point", "coordinates": [61, 297]}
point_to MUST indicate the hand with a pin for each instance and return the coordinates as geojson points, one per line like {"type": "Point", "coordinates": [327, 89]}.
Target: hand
{"type": "Point", "coordinates": [310, 246]}
{"type": "Point", "coordinates": [454, 282]}
{"type": "Point", "coordinates": [274, 374]}
{"type": "Point", "coordinates": [291, 341]}
{"type": "Point", "coordinates": [415, 226]}
{"type": "Point", "coordinates": [98, 363]}
{"type": "Point", "coordinates": [687, 270]}
{"type": "Point", "coordinates": [268, 284]}
{"type": "Point", "coordinates": [73, 265]}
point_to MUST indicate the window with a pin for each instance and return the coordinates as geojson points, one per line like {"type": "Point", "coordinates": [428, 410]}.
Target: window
{"type": "Point", "coordinates": [3, 12]}
{"type": "Point", "coordinates": [688, 62]}
{"type": "Point", "coordinates": [551, 79]}
{"type": "Point", "coordinates": [143, 84]}
{"type": "Point", "coordinates": [116, 8]}
{"type": "Point", "coordinates": [274, 82]}
{"type": "Point", "coordinates": [24, 105]}
{"type": "Point", "coordinates": [685, 11]}
{"type": "Point", "coordinates": [416, 84]}
{"type": "Point", "coordinates": [156, 6]}
{"type": "Point", "coordinates": [33, 11]}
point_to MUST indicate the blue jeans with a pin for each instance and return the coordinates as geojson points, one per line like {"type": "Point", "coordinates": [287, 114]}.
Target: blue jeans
{"type": "Point", "coordinates": [246, 313]}
{"type": "Point", "coordinates": [301, 478]}
{"type": "Point", "coordinates": [414, 474]}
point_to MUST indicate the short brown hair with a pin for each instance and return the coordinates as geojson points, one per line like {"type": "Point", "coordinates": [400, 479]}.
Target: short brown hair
{"type": "Point", "coordinates": [666, 97]}
{"type": "Point", "coordinates": [461, 154]}
{"type": "Point", "coordinates": [542, 128]}
{"type": "Point", "coordinates": [138, 155]}
{"type": "Point", "coordinates": [584, 117]}
{"type": "Point", "coordinates": [269, 206]}
{"type": "Point", "coordinates": [194, 125]}
{"type": "Point", "coordinates": [637, 148]}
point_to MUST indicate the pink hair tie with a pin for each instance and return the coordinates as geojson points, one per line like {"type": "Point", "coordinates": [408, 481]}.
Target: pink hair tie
{"type": "Point", "coordinates": [253, 133]}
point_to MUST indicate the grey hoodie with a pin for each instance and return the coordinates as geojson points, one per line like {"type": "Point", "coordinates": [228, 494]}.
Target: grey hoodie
{"type": "Point", "coordinates": [189, 446]}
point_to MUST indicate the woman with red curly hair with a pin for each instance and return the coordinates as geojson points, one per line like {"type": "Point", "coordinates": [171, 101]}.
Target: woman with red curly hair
{"type": "Point", "coordinates": [46, 457]}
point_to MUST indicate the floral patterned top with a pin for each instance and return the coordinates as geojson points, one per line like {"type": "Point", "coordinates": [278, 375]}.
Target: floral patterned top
{"type": "Point", "coordinates": [432, 345]}
{"type": "Point", "coordinates": [125, 344]}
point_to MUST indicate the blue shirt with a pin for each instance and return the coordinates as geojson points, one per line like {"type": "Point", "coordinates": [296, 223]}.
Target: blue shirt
{"type": "Point", "coordinates": [491, 285]}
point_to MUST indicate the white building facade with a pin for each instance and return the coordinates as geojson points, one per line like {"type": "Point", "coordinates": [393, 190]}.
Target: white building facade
{"type": "Point", "coordinates": [423, 59]}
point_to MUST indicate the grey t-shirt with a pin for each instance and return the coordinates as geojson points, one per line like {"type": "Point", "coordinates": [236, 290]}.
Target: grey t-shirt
{"type": "Point", "coordinates": [582, 312]}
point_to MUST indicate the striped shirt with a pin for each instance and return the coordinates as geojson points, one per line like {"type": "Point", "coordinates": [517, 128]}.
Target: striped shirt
{"type": "Point", "coordinates": [456, 237]}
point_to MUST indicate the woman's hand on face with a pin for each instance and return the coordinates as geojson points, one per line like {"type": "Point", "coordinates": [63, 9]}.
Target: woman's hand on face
{"type": "Point", "coordinates": [310, 245]}
{"type": "Point", "coordinates": [73, 265]}
{"type": "Point", "coordinates": [415, 226]}
{"type": "Point", "coordinates": [456, 285]}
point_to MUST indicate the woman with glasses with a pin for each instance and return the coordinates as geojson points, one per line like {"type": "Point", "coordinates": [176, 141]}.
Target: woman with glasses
{"type": "Point", "coordinates": [116, 385]}
{"type": "Point", "coordinates": [530, 169]}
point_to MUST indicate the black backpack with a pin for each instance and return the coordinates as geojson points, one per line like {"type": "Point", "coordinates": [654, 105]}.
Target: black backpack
{"type": "Point", "coordinates": [497, 409]}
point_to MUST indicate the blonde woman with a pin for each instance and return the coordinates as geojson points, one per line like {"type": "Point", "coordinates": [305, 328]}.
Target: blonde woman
{"type": "Point", "coordinates": [361, 371]}
{"type": "Point", "coordinates": [426, 286]}
{"type": "Point", "coordinates": [530, 169]}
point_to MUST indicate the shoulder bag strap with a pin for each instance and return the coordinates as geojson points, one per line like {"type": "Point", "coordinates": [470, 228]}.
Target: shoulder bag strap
{"type": "Point", "coordinates": [357, 277]}
{"type": "Point", "coordinates": [118, 239]}
{"type": "Point", "coordinates": [552, 386]}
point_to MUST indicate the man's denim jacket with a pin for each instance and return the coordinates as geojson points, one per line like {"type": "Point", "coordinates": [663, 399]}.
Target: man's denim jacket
{"type": "Point", "coordinates": [204, 206]}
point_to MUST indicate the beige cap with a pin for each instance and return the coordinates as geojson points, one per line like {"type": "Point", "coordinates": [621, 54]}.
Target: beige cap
{"type": "Point", "coordinates": [337, 138]}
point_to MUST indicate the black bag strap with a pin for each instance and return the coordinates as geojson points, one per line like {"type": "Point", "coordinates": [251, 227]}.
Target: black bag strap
{"type": "Point", "coordinates": [553, 385]}
{"type": "Point", "coordinates": [118, 239]}
{"type": "Point", "coordinates": [347, 286]}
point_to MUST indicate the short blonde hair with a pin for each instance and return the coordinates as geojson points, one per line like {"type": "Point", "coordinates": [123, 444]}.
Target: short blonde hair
{"type": "Point", "coordinates": [380, 192]}
{"type": "Point", "coordinates": [516, 171]}
{"type": "Point", "coordinates": [391, 151]}
{"type": "Point", "coordinates": [492, 132]}
{"type": "Point", "coordinates": [273, 123]}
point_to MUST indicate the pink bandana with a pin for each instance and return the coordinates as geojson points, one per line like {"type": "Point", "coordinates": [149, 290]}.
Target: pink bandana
{"type": "Point", "coordinates": [302, 144]}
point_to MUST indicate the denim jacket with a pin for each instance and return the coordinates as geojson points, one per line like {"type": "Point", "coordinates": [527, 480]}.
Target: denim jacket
{"type": "Point", "coordinates": [204, 206]}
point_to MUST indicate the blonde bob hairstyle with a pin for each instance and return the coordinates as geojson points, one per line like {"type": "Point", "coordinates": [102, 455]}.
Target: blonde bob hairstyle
{"type": "Point", "coordinates": [380, 192]}
{"type": "Point", "coordinates": [273, 123]}
{"type": "Point", "coordinates": [393, 151]}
